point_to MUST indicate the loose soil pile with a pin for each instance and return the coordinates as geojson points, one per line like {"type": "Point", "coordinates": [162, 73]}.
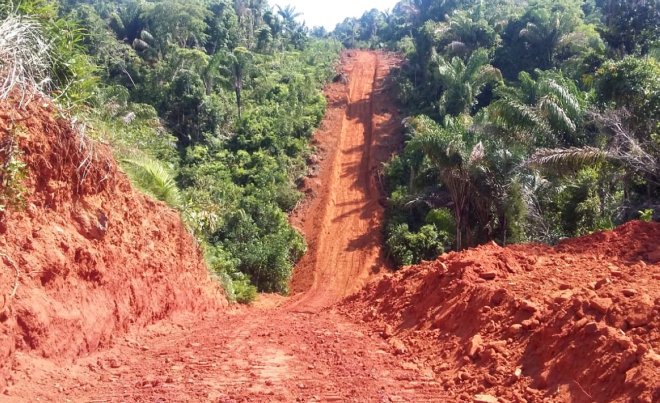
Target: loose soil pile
{"type": "Point", "coordinates": [576, 322]}
{"type": "Point", "coordinates": [87, 256]}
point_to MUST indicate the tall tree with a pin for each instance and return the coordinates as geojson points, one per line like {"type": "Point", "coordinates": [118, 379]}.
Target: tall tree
{"type": "Point", "coordinates": [455, 158]}
{"type": "Point", "coordinates": [236, 65]}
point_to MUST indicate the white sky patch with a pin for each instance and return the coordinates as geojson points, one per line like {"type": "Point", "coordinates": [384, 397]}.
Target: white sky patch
{"type": "Point", "coordinates": [330, 13]}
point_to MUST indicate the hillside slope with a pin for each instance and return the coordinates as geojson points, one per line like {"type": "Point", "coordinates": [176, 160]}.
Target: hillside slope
{"type": "Point", "coordinates": [342, 223]}
{"type": "Point", "coordinates": [578, 322]}
{"type": "Point", "coordinates": [88, 257]}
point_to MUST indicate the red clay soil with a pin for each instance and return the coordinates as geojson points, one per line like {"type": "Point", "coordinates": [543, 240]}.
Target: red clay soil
{"type": "Point", "coordinates": [578, 322]}
{"type": "Point", "coordinates": [88, 257]}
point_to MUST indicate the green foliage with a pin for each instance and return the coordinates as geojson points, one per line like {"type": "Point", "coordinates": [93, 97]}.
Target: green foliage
{"type": "Point", "coordinates": [209, 106]}
{"type": "Point", "coordinates": [646, 215]}
{"type": "Point", "coordinates": [12, 173]}
{"type": "Point", "coordinates": [408, 248]}
{"type": "Point", "coordinates": [521, 125]}
{"type": "Point", "coordinates": [583, 207]}
{"type": "Point", "coordinates": [462, 82]}
{"type": "Point", "coordinates": [154, 179]}
{"type": "Point", "coordinates": [442, 220]}
{"type": "Point", "coordinates": [632, 83]}
{"type": "Point", "coordinates": [630, 26]}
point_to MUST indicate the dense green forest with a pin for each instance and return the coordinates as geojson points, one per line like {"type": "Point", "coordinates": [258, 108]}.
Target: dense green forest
{"type": "Point", "coordinates": [209, 106]}
{"type": "Point", "coordinates": [528, 120]}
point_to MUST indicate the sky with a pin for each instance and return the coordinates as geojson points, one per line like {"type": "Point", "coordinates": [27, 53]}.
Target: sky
{"type": "Point", "coordinates": [330, 12]}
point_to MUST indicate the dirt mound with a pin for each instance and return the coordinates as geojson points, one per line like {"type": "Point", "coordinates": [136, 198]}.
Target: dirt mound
{"type": "Point", "coordinates": [87, 256]}
{"type": "Point", "coordinates": [576, 322]}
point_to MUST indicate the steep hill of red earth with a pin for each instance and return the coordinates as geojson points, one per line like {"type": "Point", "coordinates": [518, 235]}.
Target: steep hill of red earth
{"type": "Point", "coordinates": [342, 221]}
{"type": "Point", "coordinates": [578, 322]}
{"type": "Point", "coordinates": [87, 257]}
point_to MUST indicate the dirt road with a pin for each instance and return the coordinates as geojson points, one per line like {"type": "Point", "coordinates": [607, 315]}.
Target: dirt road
{"type": "Point", "coordinates": [343, 226]}
{"type": "Point", "coordinates": [281, 349]}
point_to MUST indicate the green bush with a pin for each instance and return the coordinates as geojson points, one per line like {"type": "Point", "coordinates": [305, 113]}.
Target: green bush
{"type": "Point", "coordinates": [406, 247]}
{"type": "Point", "coordinates": [443, 220]}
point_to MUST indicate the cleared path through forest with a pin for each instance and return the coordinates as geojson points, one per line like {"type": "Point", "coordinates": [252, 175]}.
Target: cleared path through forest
{"type": "Point", "coordinates": [342, 225]}
{"type": "Point", "coordinates": [281, 349]}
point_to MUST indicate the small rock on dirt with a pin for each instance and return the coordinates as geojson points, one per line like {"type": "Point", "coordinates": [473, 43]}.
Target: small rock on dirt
{"type": "Point", "coordinates": [387, 331]}
{"type": "Point", "coordinates": [397, 345]}
{"type": "Point", "coordinates": [474, 345]}
{"type": "Point", "coordinates": [484, 398]}
{"type": "Point", "coordinates": [488, 275]}
{"type": "Point", "coordinates": [528, 306]}
{"type": "Point", "coordinates": [601, 305]}
{"type": "Point", "coordinates": [629, 292]}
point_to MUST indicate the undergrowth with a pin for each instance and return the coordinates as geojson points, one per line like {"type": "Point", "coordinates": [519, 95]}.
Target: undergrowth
{"type": "Point", "coordinates": [12, 173]}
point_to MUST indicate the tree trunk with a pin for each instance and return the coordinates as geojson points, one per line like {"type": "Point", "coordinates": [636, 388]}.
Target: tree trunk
{"type": "Point", "coordinates": [459, 225]}
{"type": "Point", "coordinates": [238, 101]}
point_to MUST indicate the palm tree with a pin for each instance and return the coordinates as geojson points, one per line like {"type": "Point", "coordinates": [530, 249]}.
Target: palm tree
{"type": "Point", "coordinates": [463, 82]}
{"type": "Point", "coordinates": [464, 32]}
{"type": "Point", "coordinates": [236, 65]}
{"type": "Point", "coordinates": [455, 160]}
{"type": "Point", "coordinates": [289, 15]}
{"type": "Point", "coordinates": [544, 112]}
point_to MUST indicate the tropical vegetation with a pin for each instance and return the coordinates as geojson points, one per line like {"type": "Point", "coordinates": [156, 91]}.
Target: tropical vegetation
{"type": "Point", "coordinates": [209, 106]}
{"type": "Point", "coordinates": [528, 120]}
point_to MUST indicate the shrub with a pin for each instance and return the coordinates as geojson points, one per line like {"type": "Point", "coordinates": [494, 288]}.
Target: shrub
{"type": "Point", "coordinates": [406, 247]}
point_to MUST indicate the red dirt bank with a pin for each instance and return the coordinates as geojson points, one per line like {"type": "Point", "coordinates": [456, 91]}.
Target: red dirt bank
{"type": "Point", "coordinates": [94, 258]}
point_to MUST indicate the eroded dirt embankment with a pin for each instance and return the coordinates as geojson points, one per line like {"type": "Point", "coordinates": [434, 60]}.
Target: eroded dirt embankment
{"type": "Point", "coordinates": [87, 256]}
{"type": "Point", "coordinates": [579, 322]}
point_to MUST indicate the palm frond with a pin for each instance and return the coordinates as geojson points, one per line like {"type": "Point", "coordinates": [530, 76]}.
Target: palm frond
{"type": "Point", "coordinates": [477, 60]}
{"type": "Point", "coordinates": [488, 74]}
{"type": "Point", "coordinates": [567, 100]}
{"type": "Point", "coordinates": [456, 47]}
{"type": "Point", "coordinates": [556, 114]}
{"type": "Point", "coordinates": [514, 114]}
{"type": "Point", "coordinates": [154, 179]}
{"type": "Point", "coordinates": [531, 32]}
{"type": "Point", "coordinates": [563, 160]}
